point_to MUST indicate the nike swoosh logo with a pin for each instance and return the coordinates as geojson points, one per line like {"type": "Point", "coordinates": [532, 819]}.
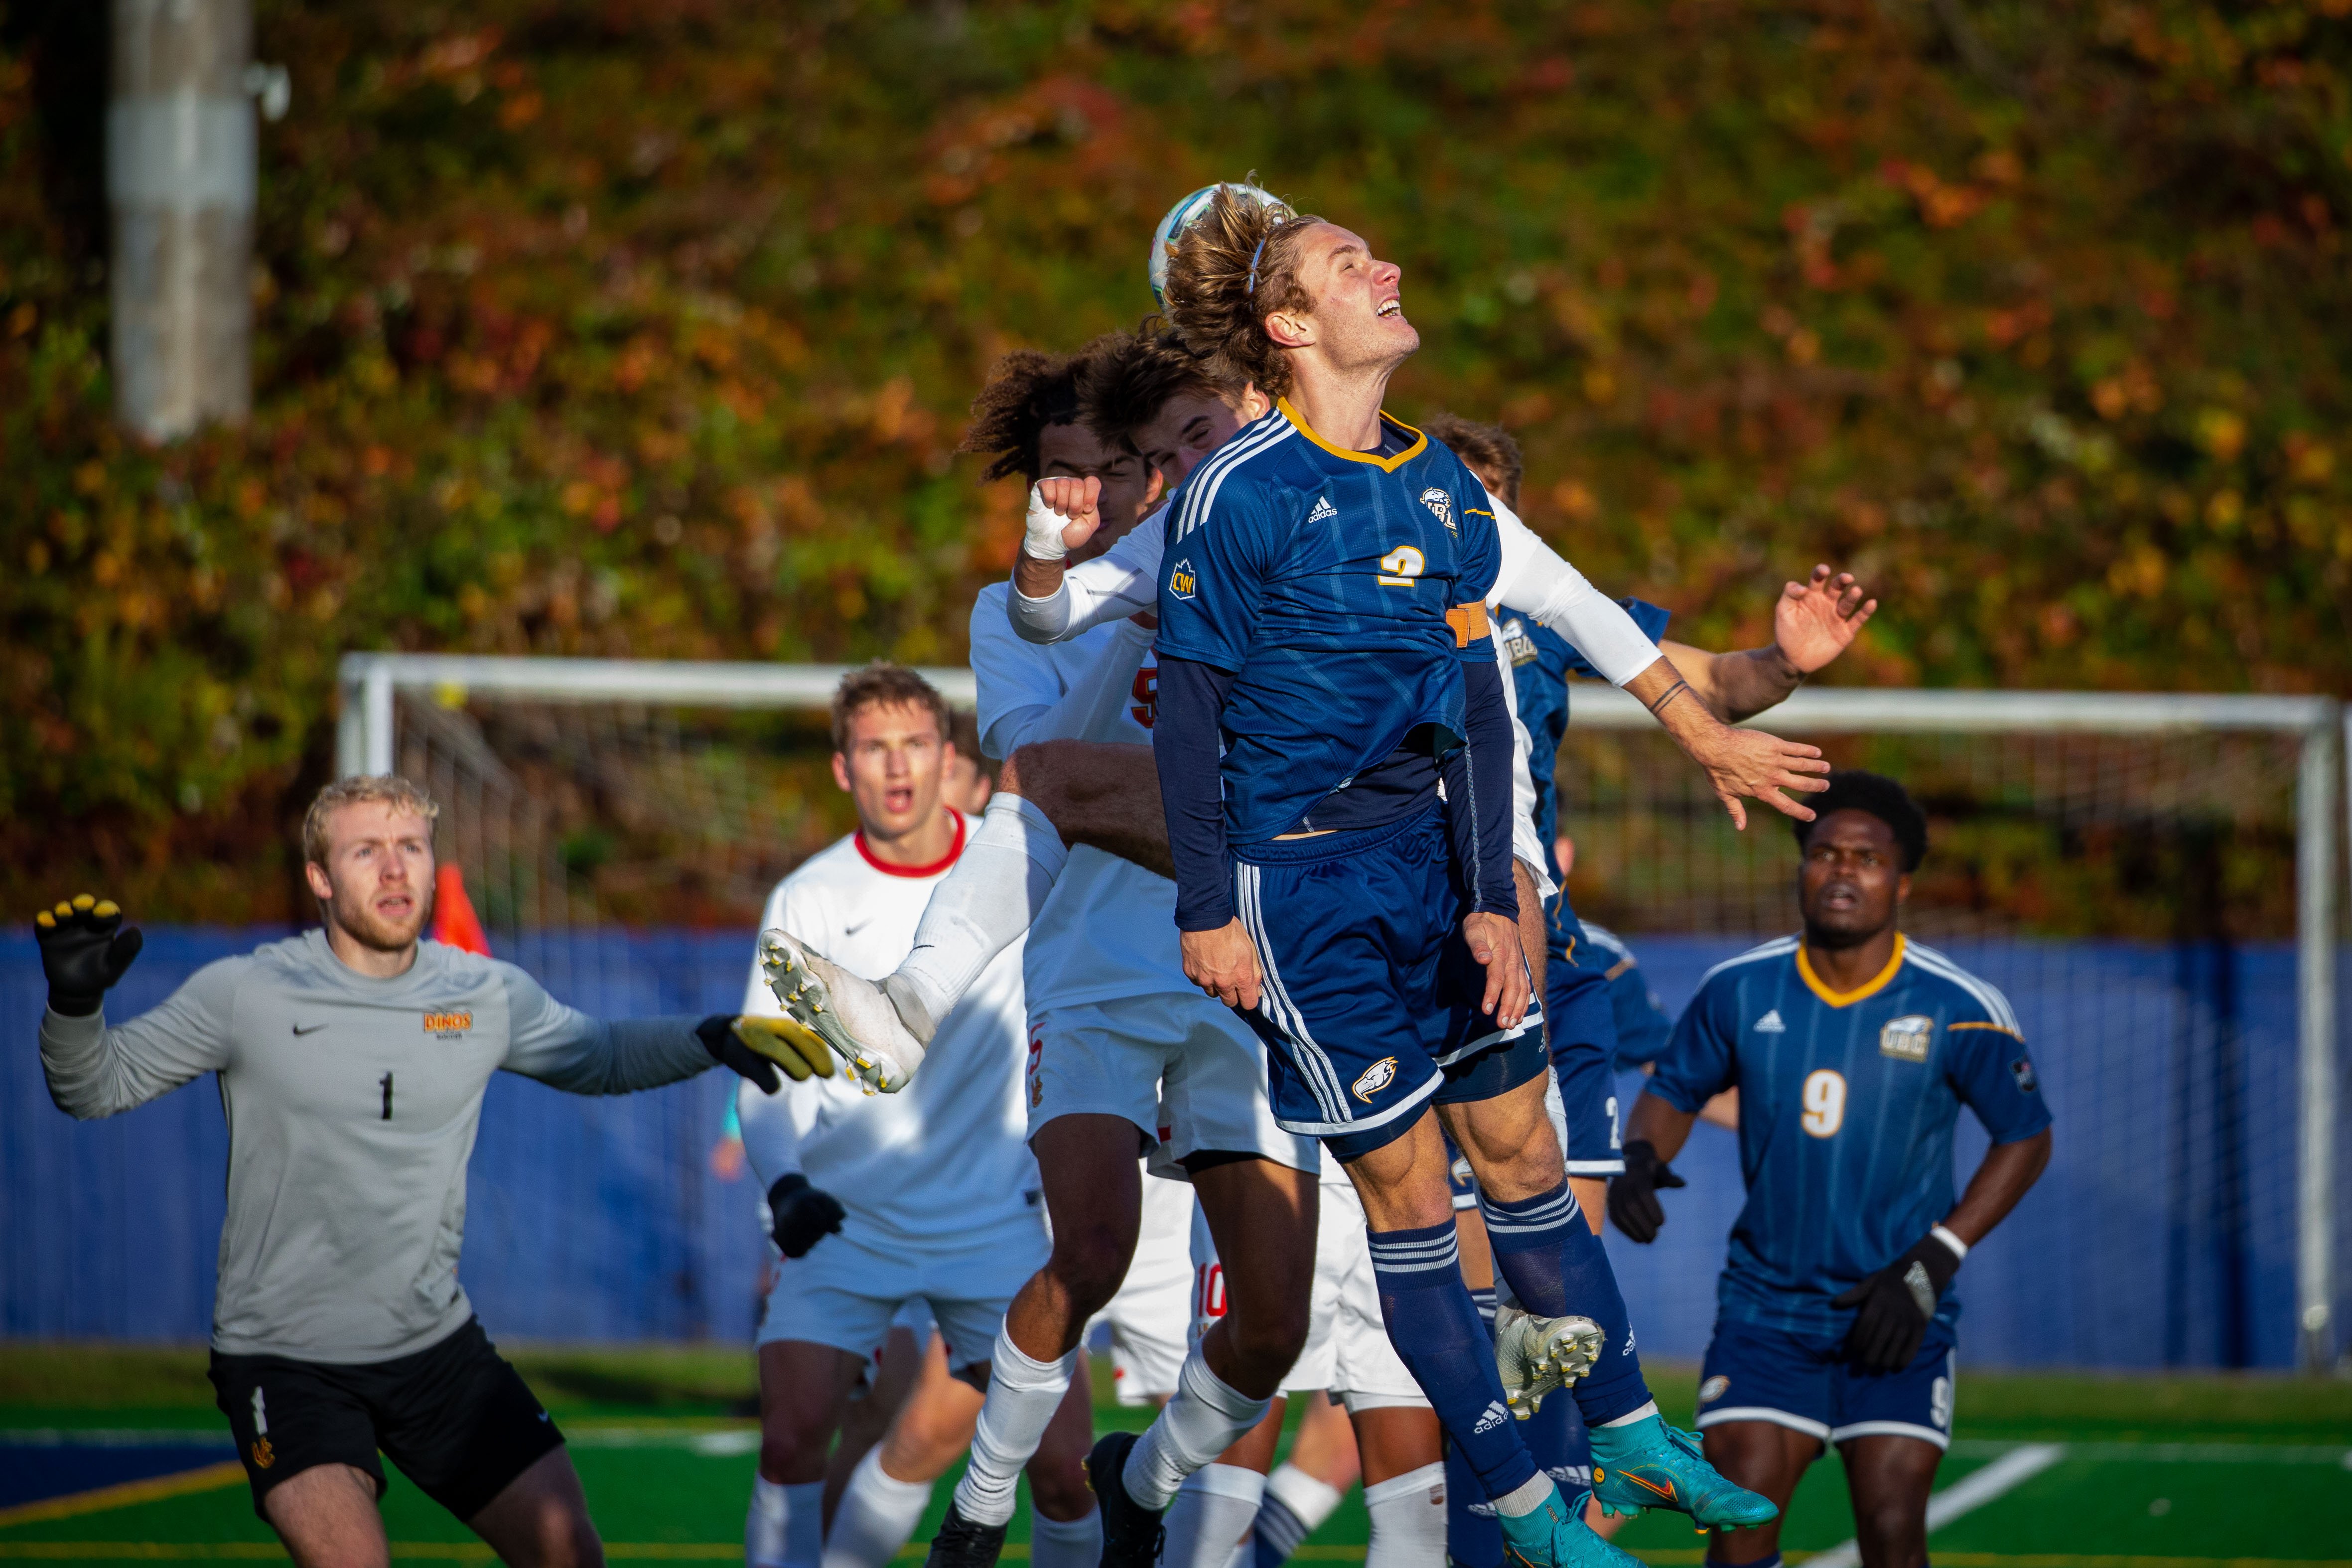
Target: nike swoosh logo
{"type": "Point", "coordinates": [299, 1030]}
{"type": "Point", "coordinates": [849, 930]}
{"type": "Point", "coordinates": [1666, 1493]}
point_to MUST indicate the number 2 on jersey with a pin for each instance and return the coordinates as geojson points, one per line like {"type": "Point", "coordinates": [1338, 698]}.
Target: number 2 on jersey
{"type": "Point", "coordinates": [1824, 1101]}
{"type": "Point", "coordinates": [1402, 565]}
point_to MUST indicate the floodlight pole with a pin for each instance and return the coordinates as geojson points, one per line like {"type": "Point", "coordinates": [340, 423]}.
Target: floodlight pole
{"type": "Point", "coordinates": [181, 151]}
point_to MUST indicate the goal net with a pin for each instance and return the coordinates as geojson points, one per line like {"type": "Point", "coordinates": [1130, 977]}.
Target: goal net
{"type": "Point", "coordinates": [2149, 880]}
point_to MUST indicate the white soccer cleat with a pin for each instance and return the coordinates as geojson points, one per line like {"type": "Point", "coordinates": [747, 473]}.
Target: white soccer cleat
{"type": "Point", "coordinates": [850, 1015]}
{"type": "Point", "coordinates": [1537, 1356]}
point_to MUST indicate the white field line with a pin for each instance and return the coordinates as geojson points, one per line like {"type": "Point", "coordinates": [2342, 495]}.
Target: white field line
{"type": "Point", "coordinates": [1968, 1493]}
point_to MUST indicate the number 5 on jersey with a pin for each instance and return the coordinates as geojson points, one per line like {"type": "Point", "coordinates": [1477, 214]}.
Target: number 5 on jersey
{"type": "Point", "coordinates": [1824, 1102]}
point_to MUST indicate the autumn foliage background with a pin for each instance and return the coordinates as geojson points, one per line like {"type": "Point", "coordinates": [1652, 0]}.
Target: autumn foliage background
{"type": "Point", "coordinates": [646, 327]}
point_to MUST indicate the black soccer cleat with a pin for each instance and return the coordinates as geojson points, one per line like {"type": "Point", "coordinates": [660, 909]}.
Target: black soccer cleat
{"type": "Point", "coordinates": [961, 1543]}
{"type": "Point", "coordinates": [1131, 1532]}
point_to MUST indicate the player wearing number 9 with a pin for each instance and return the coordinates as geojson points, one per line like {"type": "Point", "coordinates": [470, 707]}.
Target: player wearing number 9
{"type": "Point", "coordinates": [1854, 1051]}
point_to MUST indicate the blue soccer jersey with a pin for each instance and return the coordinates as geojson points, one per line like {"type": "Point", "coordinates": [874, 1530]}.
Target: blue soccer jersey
{"type": "Point", "coordinates": [1643, 1026]}
{"type": "Point", "coordinates": [1847, 1103]}
{"type": "Point", "coordinates": [1330, 582]}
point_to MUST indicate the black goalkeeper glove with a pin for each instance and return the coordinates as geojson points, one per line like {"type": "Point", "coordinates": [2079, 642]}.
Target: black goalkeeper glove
{"type": "Point", "coordinates": [717, 1035]}
{"type": "Point", "coordinates": [1633, 1206]}
{"type": "Point", "coordinates": [84, 950]}
{"type": "Point", "coordinates": [801, 1215]}
{"type": "Point", "coordinates": [1895, 1305]}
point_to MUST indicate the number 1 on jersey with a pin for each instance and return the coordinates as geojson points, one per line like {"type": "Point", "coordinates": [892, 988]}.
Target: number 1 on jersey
{"type": "Point", "coordinates": [1824, 1102]}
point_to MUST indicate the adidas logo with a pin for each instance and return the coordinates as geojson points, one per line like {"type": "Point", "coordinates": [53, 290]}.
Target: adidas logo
{"type": "Point", "coordinates": [1770, 1024]}
{"type": "Point", "coordinates": [1323, 509]}
{"type": "Point", "coordinates": [1494, 1416]}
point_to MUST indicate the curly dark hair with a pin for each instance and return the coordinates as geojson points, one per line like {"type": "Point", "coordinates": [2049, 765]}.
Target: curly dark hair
{"type": "Point", "coordinates": [1486, 447]}
{"type": "Point", "coordinates": [1234, 266]}
{"type": "Point", "coordinates": [1027, 392]}
{"type": "Point", "coordinates": [1852, 789]}
{"type": "Point", "coordinates": [1129, 377]}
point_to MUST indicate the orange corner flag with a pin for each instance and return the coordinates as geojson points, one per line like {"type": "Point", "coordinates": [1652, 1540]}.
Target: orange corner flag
{"type": "Point", "coordinates": [454, 924]}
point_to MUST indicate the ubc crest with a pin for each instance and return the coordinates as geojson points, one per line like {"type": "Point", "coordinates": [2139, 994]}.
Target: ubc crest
{"type": "Point", "coordinates": [1438, 501]}
{"type": "Point", "coordinates": [1906, 1038]}
{"type": "Point", "coordinates": [1374, 1079]}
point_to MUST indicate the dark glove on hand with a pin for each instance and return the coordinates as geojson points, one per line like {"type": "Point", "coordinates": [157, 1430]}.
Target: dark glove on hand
{"type": "Point", "coordinates": [1634, 1205]}
{"type": "Point", "coordinates": [1895, 1305]}
{"type": "Point", "coordinates": [717, 1034]}
{"type": "Point", "coordinates": [84, 950]}
{"type": "Point", "coordinates": [802, 1216]}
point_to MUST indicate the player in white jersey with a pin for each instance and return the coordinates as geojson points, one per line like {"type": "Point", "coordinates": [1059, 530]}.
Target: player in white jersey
{"type": "Point", "coordinates": [881, 1200]}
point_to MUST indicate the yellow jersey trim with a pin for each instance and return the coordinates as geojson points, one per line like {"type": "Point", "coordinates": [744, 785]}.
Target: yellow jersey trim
{"type": "Point", "coordinates": [1996, 1028]}
{"type": "Point", "coordinates": [1386, 465]}
{"type": "Point", "coordinates": [1868, 988]}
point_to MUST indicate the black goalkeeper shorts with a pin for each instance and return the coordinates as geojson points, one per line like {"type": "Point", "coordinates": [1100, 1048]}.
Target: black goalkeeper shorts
{"type": "Point", "coordinates": [456, 1419]}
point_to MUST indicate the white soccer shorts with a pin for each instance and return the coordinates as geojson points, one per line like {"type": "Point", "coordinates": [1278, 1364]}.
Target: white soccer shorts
{"type": "Point", "coordinates": [846, 1295]}
{"type": "Point", "coordinates": [1348, 1349]}
{"type": "Point", "coordinates": [1182, 1068]}
{"type": "Point", "coordinates": [1147, 1318]}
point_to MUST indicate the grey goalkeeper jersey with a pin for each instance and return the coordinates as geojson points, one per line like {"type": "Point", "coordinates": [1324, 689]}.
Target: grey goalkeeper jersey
{"type": "Point", "coordinates": [351, 1104]}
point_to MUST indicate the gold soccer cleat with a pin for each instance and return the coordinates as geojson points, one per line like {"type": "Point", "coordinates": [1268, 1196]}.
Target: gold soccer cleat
{"type": "Point", "coordinates": [848, 1014]}
{"type": "Point", "coordinates": [1537, 1356]}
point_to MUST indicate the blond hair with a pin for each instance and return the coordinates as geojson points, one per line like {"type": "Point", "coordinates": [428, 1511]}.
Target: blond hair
{"type": "Point", "coordinates": [1232, 267]}
{"type": "Point", "coordinates": [361, 789]}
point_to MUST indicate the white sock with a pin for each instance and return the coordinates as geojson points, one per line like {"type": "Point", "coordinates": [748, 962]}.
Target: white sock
{"type": "Point", "coordinates": [981, 908]}
{"type": "Point", "coordinates": [1408, 1519]}
{"type": "Point", "coordinates": [1296, 1506]}
{"type": "Point", "coordinates": [1213, 1511]}
{"type": "Point", "coordinates": [1525, 1498]}
{"type": "Point", "coordinates": [1054, 1543]}
{"type": "Point", "coordinates": [1631, 1416]}
{"type": "Point", "coordinates": [785, 1528]}
{"type": "Point", "coordinates": [878, 1515]}
{"type": "Point", "coordinates": [1022, 1395]}
{"type": "Point", "coordinates": [1206, 1418]}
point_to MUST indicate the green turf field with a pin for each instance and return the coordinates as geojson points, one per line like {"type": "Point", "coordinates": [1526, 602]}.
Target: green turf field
{"type": "Point", "coordinates": [2073, 1472]}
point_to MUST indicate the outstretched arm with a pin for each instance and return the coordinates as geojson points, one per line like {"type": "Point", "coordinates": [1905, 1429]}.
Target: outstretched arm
{"type": "Point", "coordinates": [1740, 763]}
{"type": "Point", "coordinates": [1813, 623]}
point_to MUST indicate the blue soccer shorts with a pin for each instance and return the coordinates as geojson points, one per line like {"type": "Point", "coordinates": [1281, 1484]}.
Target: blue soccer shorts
{"type": "Point", "coordinates": [1372, 999]}
{"type": "Point", "coordinates": [1805, 1382]}
{"type": "Point", "coordinates": [1582, 1020]}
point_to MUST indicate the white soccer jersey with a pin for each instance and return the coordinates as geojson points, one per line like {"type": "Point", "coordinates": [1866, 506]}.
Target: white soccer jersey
{"type": "Point", "coordinates": [1109, 928]}
{"type": "Point", "coordinates": [944, 1160]}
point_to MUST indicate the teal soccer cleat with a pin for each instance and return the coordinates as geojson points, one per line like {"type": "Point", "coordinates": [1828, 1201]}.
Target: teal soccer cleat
{"type": "Point", "coordinates": [1556, 1536]}
{"type": "Point", "coordinates": [1650, 1465]}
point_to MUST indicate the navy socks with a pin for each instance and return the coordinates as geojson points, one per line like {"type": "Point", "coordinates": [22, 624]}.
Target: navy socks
{"type": "Point", "coordinates": [1435, 1328]}
{"type": "Point", "coordinates": [1556, 1265]}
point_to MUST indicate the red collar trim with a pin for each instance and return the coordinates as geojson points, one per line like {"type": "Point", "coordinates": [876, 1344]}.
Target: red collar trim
{"type": "Point", "coordinates": [890, 869]}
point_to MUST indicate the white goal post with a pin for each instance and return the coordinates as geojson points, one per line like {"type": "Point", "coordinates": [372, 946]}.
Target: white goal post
{"type": "Point", "coordinates": [2319, 727]}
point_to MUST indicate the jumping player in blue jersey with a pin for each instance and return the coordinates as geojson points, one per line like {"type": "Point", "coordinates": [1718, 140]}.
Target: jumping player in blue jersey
{"type": "Point", "coordinates": [1324, 662]}
{"type": "Point", "coordinates": [1854, 1051]}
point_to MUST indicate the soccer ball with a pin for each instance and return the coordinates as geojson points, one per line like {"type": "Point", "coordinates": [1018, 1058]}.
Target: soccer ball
{"type": "Point", "coordinates": [1179, 218]}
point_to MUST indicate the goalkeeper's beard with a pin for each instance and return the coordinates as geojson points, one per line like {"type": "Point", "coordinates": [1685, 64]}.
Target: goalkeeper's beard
{"type": "Point", "coordinates": [356, 919]}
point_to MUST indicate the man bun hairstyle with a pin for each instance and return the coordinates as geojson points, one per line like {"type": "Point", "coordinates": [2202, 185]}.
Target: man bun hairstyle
{"type": "Point", "coordinates": [1852, 789]}
{"type": "Point", "coordinates": [1126, 379]}
{"type": "Point", "coordinates": [1232, 267]}
{"type": "Point", "coordinates": [1028, 392]}
{"type": "Point", "coordinates": [1489, 448]}
{"type": "Point", "coordinates": [361, 789]}
{"type": "Point", "coordinates": [885, 685]}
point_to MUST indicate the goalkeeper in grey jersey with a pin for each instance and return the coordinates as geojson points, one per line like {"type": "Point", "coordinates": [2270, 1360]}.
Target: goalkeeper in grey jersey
{"type": "Point", "coordinates": [351, 1064]}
